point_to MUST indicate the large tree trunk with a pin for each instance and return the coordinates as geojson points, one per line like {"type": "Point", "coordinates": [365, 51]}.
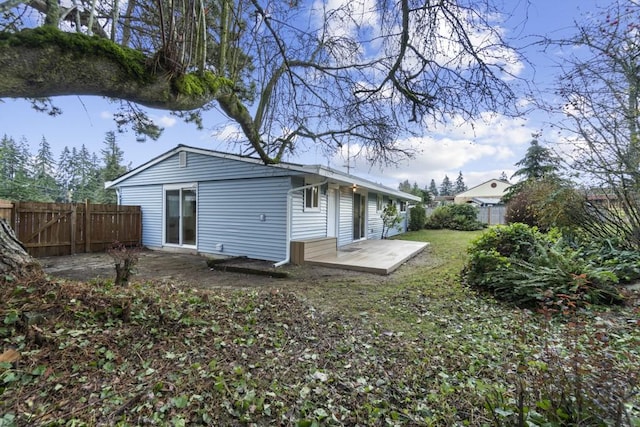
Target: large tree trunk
{"type": "Point", "coordinates": [15, 262]}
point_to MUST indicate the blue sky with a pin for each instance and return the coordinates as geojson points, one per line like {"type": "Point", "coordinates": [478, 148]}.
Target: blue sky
{"type": "Point", "coordinates": [481, 151]}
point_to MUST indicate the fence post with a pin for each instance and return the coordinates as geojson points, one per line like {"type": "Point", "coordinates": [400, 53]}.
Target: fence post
{"type": "Point", "coordinates": [74, 221]}
{"type": "Point", "coordinates": [87, 226]}
{"type": "Point", "coordinates": [14, 220]}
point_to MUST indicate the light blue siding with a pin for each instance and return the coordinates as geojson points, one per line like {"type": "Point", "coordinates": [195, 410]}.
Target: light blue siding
{"type": "Point", "coordinates": [200, 168]}
{"type": "Point", "coordinates": [308, 224]}
{"type": "Point", "coordinates": [149, 198]}
{"type": "Point", "coordinates": [230, 214]}
{"type": "Point", "coordinates": [346, 216]}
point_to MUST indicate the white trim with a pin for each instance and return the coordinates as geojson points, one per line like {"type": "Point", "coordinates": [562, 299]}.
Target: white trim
{"type": "Point", "coordinates": [185, 186]}
{"type": "Point", "coordinates": [312, 208]}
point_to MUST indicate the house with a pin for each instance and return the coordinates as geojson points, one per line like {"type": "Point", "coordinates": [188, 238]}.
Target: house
{"type": "Point", "coordinates": [486, 194]}
{"type": "Point", "coordinates": [223, 204]}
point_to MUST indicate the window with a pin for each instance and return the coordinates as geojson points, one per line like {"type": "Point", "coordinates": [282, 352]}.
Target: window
{"type": "Point", "coordinates": [312, 198]}
{"type": "Point", "coordinates": [183, 159]}
{"type": "Point", "coordinates": [379, 202]}
{"type": "Point", "coordinates": [403, 206]}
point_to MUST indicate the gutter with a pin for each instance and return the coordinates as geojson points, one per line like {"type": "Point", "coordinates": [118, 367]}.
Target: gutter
{"type": "Point", "coordinates": [289, 219]}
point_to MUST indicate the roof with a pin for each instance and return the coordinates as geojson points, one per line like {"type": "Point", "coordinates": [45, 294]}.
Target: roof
{"type": "Point", "coordinates": [488, 200]}
{"type": "Point", "coordinates": [319, 170]}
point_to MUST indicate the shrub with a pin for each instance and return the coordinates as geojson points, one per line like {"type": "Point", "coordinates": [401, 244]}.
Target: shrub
{"type": "Point", "coordinates": [417, 218]}
{"type": "Point", "coordinates": [519, 264]}
{"type": "Point", "coordinates": [546, 204]}
{"type": "Point", "coordinates": [390, 219]}
{"type": "Point", "coordinates": [124, 261]}
{"type": "Point", "coordinates": [462, 217]}
{"type": "Point", "coordinates": [612, 256]}
{"type": "Point", "coordinates": [519, 209]}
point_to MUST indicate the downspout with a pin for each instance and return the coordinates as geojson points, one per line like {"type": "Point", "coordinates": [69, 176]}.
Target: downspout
{"type": "Point", "coordinates": [289, 219]}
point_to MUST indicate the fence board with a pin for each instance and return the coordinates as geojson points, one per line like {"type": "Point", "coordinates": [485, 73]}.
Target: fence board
{"type": "Point", "coordinates": [53, 229]}
{"type": "Point", "coordinates": [6, 210]}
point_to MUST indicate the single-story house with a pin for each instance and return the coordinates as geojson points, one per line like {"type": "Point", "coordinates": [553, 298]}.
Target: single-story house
{"type": "Point", "coordinates": [486, 194]}
{"type": "Point", "coordinates": [224, 204]}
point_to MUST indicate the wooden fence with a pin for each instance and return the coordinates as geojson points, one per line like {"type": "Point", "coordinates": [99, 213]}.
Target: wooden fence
{"type": "Point", "coordinates": [54, 229]}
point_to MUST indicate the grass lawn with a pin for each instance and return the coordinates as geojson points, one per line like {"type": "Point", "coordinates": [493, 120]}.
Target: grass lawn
{"type": "Point", "coordinates": [415, 348]}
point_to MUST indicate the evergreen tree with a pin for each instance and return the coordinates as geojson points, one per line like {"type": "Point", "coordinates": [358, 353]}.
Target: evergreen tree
{"type": "Point", "coordinates": [503, 177]}
{"type": "Point", "coordinates": [460, 186]}
{"type": "Point", "coordinates": [45, 185]}
{"type": "Point", "coordinates": [112, 158]}
{"type": "Point", "coordinates": [15, 174]}
{"type": "Point", "coordinates": [405, 186]}
{"type": "Point", "coordinates": [537, 163]}
{"type": "Point", "coordinates": [86, 175]}
{"type": "Point", "coordinates": [65, 174]}
{"type": "Point", "coordinates": [446, 187]}
{"type": "Point", "coordinates": [433, 188]}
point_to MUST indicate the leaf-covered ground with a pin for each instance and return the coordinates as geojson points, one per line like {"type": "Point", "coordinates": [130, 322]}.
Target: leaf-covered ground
{"type": "Point", "coordinates": [414, 349]}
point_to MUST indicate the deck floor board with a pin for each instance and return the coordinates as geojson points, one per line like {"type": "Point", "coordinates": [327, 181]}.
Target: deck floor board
{"type": "Point", "coordinates": [372, 256]}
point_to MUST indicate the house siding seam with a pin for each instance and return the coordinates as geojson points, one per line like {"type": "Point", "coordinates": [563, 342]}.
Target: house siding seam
{"type": "Point", "coordinates": [149, 198]}
{"type": "Point", "coordinates": [230, 215]}
{"type": "Point", "coordinates": [345, 234]}
{"type": "Point", "coordinates": [201, 168]}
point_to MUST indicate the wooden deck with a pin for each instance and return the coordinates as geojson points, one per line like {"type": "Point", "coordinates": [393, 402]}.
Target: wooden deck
{"type": "Point", "coordinates": [371, 256]}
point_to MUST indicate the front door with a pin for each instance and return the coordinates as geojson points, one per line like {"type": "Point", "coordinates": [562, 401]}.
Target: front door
{"type": "Point", "coordinates": [359, 216]}
{"type": "Point", "coordinates": [180, 216]}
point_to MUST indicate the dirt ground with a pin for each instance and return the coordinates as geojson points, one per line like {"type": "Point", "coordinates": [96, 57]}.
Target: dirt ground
{"type": "Point", "coordinates": [192, 270]}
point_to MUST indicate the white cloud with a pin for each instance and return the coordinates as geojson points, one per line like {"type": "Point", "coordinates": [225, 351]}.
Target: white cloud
{"type": "Point", "coordinates": [107, 115]}
{"type": "Point", "coordinates": [481, 151]}
{"type": "Point", "coordinates": [230, 130]}
{"type": "Point", "coordinates": [166, 121]}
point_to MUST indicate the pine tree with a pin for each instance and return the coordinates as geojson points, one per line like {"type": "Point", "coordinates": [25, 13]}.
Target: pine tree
{"type": "Point", "coordinates": [503, 177]}
{"type": "Point", "coordinates": [45, 186]}
{"type": "Point", "coordinates": [405, 186]}
{"type": "Point", "coordinates": [460, 186]}
{"type": "Point", "coordinates": [446, 187]}
{"type": "Point", "coordinates": [65, 174]}
{"type": "Point", "coordinates": [86, 175]}
{"type": "Point", "coordinates": [112, 158]}
{"type": "Point", "coordinates": [537, 163]}
{"type": "Point", "coordinates": [15, 174]}
{"type": "Point", "coordinates": [433, 188]}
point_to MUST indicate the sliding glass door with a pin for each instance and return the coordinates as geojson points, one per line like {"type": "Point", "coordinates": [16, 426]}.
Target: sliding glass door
{"type": "Point", "coordinates": [180, 215]}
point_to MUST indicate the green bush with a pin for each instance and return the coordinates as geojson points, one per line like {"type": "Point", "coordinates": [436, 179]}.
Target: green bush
{"type": "Point", "coordinates": [417, 218]}
{"type": "Point", "coordinates": [454, 217]}
{"type": "Point", "coordinates": [612, 256]}
{"type": "Point", "coordinates": [517, 263]}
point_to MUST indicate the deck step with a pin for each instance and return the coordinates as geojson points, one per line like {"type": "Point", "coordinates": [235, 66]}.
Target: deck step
{"type": "Point", "coordinates": [302, 250]}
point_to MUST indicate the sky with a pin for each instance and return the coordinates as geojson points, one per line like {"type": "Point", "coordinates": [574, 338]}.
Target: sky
{"type": "Point", "coordinates": [481, 150]}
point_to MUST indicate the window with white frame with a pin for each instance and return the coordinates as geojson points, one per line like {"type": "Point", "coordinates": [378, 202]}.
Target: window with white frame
{"type": "Point", "coordinates": [379, 202]}
{"type": "Point", "coordinates": [312, 198]}
{"type": "Point", "coordinates": [403, 206]}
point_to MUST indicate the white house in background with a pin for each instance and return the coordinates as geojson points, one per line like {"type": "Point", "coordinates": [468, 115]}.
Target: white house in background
{"type": "Point", "coordinates": [210, 202]}
{"type": "Point", "coordinates": [486, 194]}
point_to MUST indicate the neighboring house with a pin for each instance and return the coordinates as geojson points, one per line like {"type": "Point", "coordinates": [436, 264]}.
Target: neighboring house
{"type": "Point", "coordinates": [486, 194]}
{"type": "Point", "coordinates": [218, 203]}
